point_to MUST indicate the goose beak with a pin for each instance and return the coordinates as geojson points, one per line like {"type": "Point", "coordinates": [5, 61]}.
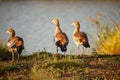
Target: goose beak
{"type": "Point", "coordinates": [72, 24]}
{"type": "Point", "coordinates": [53, 21]}
{"type": "Point", "coordinates": [7, 32]}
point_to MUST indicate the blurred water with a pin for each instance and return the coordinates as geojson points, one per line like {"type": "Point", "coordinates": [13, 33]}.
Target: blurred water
{"type": "Point", "coordinates": [32, 20]}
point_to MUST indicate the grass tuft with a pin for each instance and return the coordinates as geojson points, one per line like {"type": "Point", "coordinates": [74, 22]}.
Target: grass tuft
{"type": "Point", "coordinates": [108, 42]}
{"type": "Point", "coordinates": [4, 53]}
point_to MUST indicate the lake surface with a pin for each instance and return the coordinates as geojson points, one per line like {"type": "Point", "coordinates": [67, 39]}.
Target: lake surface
{"type": "Point", "coordinates": [32, 20]}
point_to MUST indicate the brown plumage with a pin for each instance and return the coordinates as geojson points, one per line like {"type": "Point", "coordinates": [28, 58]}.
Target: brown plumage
{"type": "Point", "coordinates": [15, 43]}
{"type": "Point", "coordinates": [60, 38]}
{"type": "Point", "coordinates": [80, 38]}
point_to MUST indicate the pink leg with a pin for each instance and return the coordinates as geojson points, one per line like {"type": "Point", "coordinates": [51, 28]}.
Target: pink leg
{"type": "Point", "coordinates": [18, 57]}
{"type": "Point", "coordinates": [12, 56]}
{"type": "Point", "coordinates": [83, 52]}
{"type": "Point", "coordinates": [78, 52]}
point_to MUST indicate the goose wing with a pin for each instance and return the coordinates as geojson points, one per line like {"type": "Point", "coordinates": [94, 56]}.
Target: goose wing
{"type": "Point", "coordinates": [62, 38]}
{"type": "Point", "coordinates": [15, 42]}
{"type": "Point", "coordinates": [81, 36]}
{"type": "Point", "coordinates": [66, 39]}
{"type": "Point", "coordinates": [11, 42]}
{"type": "Point", "coordinates": [19, 41]}
{"type": "Point", "coordinates": [84, 39]}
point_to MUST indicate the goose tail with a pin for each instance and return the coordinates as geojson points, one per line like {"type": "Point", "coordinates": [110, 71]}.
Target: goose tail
{"type": "Point", "coordinates": [63, 48]}
{"type": "Point", "coordinates": [86, 44]}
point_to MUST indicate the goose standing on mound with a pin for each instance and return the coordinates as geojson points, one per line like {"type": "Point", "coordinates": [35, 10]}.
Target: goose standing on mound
{"type": "Point", "coordinates": [80, 38]}
{"type": "Point", "coordinates": [15, 43]}
{"type": "Point", "coordinates": [60, 38]}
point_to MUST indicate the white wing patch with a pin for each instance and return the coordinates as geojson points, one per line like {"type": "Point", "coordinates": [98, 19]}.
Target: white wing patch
{"type": "Point", "coordinates": [56, 39]}
{"type": "Point", "coordinates": [11, 43]}
{"type": "Point", "coordinates": [77, 41]}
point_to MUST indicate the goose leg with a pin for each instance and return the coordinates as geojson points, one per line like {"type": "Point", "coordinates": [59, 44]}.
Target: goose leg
{"type": "Point", "coordinates": [78, 48]}
{"type": "Point", "coordinates": [12, 56]}
{"type": "Point", "coordinates": [57, 50]}
{"type": "Point", "coordinates": [64, 54]}
{"type": "Point", "coordinates": [18, 57]}
{"type": "Point", "coordinates": [83, 50]}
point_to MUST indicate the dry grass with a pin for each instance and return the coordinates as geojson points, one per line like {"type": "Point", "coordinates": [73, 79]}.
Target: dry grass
{"type": "Point", "coordinates": [4, 53]}
{"type": "Point", "coordinates": [108, 42]}
{"type": "Point", "coordinates": [46, 66]}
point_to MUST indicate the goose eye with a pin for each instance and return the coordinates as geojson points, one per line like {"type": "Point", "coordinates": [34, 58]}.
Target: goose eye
{"type": "Point", "coordinates": [10, 30]}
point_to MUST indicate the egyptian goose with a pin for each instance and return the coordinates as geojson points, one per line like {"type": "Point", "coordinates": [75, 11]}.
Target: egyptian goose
{"type": "Point", "coordinates": [15, 43]}
{"type": "Point", "coordinates": [60, 38]}
{"type": "Point", "coordinates": [80, 38]}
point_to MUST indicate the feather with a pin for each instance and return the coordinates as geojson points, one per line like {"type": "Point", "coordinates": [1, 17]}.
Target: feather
{"type": "Point", "coordinates": [60, 39]}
